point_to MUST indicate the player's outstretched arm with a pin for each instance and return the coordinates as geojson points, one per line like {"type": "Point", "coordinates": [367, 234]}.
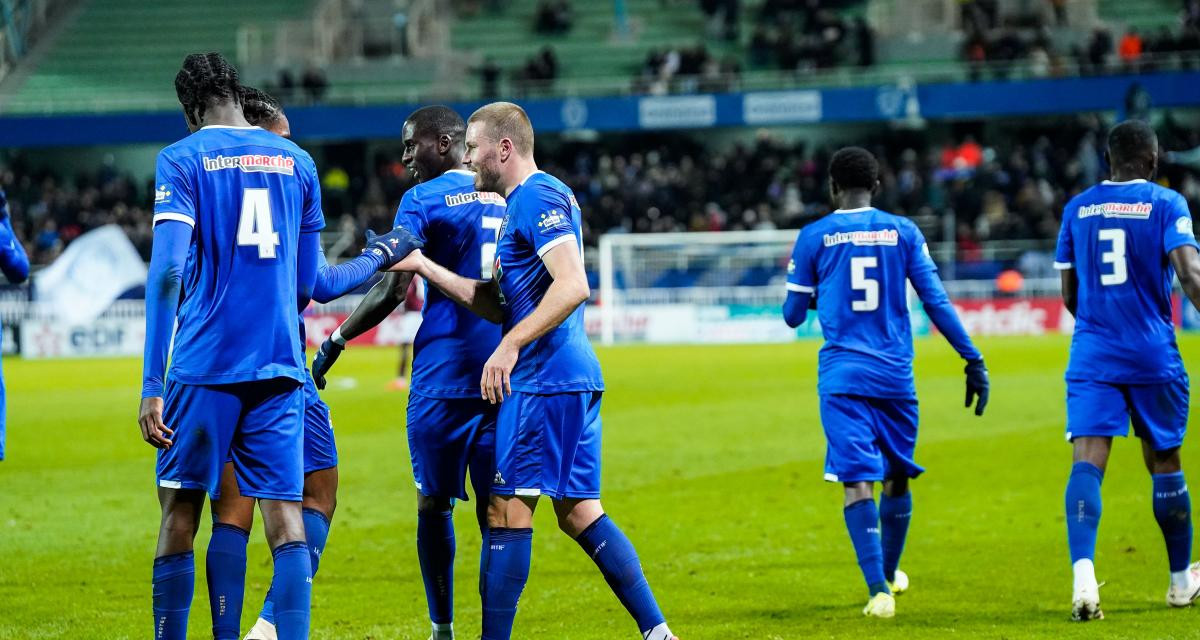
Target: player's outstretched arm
{"type": "Point", "coordinates": [380, 301]}
{"type": "Point", "coordinates": [13, 260]}
{"type": "Point", "coordinates": [482, 297]}
{"type": "Point", "coordinates": [941, 312]}
{"type": "Point", "coordinates": [1186, 261]}
{"type": "Point", "coordinates": [171, 242]}
{"type": "Point", "coordinates": [306, 267]}
{"type": "Point", "coordinates": [1070, 288]}
{"type": "Point", "coordinates": [796, 306]}
{"type": "Point", "coordinates": [568, 289]}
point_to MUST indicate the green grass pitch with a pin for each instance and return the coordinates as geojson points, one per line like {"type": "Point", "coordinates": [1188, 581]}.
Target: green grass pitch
{"type": "Point", "coordinates": [712, 464]}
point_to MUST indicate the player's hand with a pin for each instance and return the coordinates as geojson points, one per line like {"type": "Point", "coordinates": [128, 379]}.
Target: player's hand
{"type": "Point", "coordinates": [497, 372]}
{"type": "Point", "coordinates": [323, 361]}
{"type": "Point", "coordinates": [977, 385]}
{"type": "Point", "coordinates": [150, 420]}
{"type": "Point", "coordinates": [3, 205]}
{"type": "Point", "coordinates": [393, 246]}
{"type": "Point", "coordinates": [411, 264]}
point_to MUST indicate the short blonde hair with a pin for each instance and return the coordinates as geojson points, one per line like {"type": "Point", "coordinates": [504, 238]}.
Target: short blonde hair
{"type": "Point", "coordinates": [506, 120]}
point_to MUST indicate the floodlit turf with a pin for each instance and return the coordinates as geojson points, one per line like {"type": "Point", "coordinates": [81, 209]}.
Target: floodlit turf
{"type": "Point", "coordinates": [712, 464]}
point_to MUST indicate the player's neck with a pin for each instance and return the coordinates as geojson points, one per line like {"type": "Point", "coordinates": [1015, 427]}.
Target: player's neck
{"type": "Point", "coordinates": [226, 114]}
{"type": "Point", "coordinates": [1127, 176]}
{"type": "Point", "coordinates": [519, 173]}
{"type": "Point", "coordinates": [850, 201]}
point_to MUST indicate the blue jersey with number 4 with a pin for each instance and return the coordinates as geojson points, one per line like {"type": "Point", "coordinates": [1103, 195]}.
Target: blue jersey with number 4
{"type": "Point", "coordinates": [247, 194]}
{"type": "Point", "coordinates": [543, 214]}
{"type": "Point", "coordinates": [858, 262]}
{"type": "Point", "coordinates": [1116, 236]}
{"type": "Point", "coordinates": [459, 227]}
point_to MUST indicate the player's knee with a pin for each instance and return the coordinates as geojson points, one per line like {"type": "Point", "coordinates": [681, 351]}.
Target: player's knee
{"type": "Point", "coordinates": [858, 491]}
{"type": "Point", "coordinates": [433, 504]}
{"type": "Point", "coordinates": [1165, 461]}
{"type": "Point", "coordinates": [576, 515]}
{"type": "Point", "coordinates": [894, 487]}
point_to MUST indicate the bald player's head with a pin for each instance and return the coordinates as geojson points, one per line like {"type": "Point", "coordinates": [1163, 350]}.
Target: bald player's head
{"type": "Point", "coordinates": [1132, 151]}
{"type": "Point", "coordinates": [499, 142]}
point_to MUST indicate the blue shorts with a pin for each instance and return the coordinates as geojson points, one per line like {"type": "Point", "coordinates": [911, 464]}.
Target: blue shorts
{"type": "Point", "coordinates": [320, 451]}
{"type": "Point", "coordinates": [256, 425]}
{"type": "Point", "coordinates": [549, 445]}
{"type": "Point", "coordinates": [447, 437]}
{"type": "Point", "coordinates": [1159, 412]}
{"type": "Point", "coordinates": [869, 439]}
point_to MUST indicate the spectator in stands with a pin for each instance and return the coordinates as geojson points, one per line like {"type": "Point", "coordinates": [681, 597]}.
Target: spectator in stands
{"type": "Point", "coordinates": [314, 83]}
{"type": "Point", "coordinates": [864, 42]}
{"type": "Point", "coordinates": [489, 74]}
{"type": "Point", "coordinates": [553, 17]}
{"type": "Point", "coordinates": [1099, 51]}
{"type": "Point", "coordinates": [1130, 50]}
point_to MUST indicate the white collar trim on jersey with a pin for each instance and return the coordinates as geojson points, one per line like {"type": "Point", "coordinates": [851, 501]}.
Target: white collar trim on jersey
{"type": "Point", "coordinates": [523, 180]}
{"type": "Point", "coordinates": [1137, 181]}
{"type": "Point", "coordinates": [858, 210]}
{"type": "Point", "coordinates": [462, 171]}
{"type": "Point", "coordinates": [226, 126]}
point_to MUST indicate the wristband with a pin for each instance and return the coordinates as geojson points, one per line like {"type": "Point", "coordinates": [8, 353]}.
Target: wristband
{"type": "Point", "coordinates": [337, 338]}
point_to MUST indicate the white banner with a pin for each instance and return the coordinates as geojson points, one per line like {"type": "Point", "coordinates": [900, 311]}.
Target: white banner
{"type": "Point", "coordinates": [782, 107]}
{"type": "Point", "coordinates": [42, 339]}
{"type": "Point", "coordinates": [677, 111]}
{"type": "Point", "coordinates": [94, 270]}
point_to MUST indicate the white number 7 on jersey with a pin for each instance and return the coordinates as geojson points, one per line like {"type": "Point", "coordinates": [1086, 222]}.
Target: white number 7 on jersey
{"type": "Point", "coordinates": [255, 227]}
{"type": "Point", "coordinates": [860, 282]}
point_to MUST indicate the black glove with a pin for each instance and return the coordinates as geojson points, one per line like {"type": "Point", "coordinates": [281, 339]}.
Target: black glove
{"type": "Point", "coordinates": [393, 246]}
{"type": "Point", "coordinates": [323, 361]}
{"type": "Point", "coordinates": [977, 385]}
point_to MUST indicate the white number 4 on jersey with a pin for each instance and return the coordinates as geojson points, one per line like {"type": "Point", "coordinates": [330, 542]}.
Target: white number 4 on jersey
{"type": "Point", "coordinates": [255, 227]}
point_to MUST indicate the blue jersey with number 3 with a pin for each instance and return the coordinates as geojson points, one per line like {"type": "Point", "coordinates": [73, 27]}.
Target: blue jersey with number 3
{"type": "Point", "coordinates": [1116, 236]}
{"type": "Point", "coordinates": [858, 262]}
{"type": "Point", "coordinates": [543, 214]}
{"type": "Point", "coordinates": [459, 227]}
{"type": "Point", "coordinates": [247, 194]}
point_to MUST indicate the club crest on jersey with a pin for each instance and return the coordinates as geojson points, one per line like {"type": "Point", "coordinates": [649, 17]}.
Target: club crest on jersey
{"type": "Point", "coordinates": [553, 220]}
{"type": "Point", "coordinates": [1184, 226]}
{"type": "Point", "coordinates": [162, 194]}
{"type": "Point", "coordinates": [252, 163]}
{"type": "Point", "coordinates": [1135, 210]}
{"type": "Point", "coordinates": [874, 238]}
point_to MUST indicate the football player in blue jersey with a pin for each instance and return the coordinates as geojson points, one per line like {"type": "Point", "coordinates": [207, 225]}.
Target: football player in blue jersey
{"type": "Point", "coordinates": [15, 266]}
{"type": "Point", "coordinates": [543, 374]}
{"type": "Point", "coordinates": [237, 214]}
{"type": "Point", "coordinates": [233, 513]}
{"type": "Point", "coordinates": [450, 428]}
{"type": "Point", "coordinates": [1120, 244]}
{"type": "Point", "coordinates": [857, 262]}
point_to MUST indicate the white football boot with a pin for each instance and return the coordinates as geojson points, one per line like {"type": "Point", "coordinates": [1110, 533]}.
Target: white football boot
{"type": "Point", "coordinates": [1178, 596]}
{"type": "Point", "coordinates": [1085, 604]}
{"type": "Point", "coordinates": [881, 605]}
{"type": "Point", "coordinates": [262, 630]}
{"type": "Point", "coordinates": [899, 583]}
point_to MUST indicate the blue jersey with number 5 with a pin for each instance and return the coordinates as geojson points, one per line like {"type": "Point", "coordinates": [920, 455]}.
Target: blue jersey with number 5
{"type": "Point", "coordinates": [459, 227]}
{"type": "Point", "coordinates": [1116, 236]}
{"type": "Point", "coordinates": [247, 194]}
{"type": "Point", "coordinates": [858, 263]}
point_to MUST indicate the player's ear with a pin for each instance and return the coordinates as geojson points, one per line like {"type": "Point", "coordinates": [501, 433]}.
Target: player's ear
{"type": "Point", "coordinates": [506, 149]}
{"type": "Point", "coordinates": [444, 144]}
{"type": "Point", "coordinates": [1108, 161]}
{"type": "Point", "coordinates": [875, 189]}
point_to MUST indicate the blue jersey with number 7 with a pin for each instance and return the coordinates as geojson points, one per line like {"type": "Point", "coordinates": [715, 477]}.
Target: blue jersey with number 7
{"type": "Point", "coordinates": [247, 194]}
{"type": "Point", "coordinates": [1116, 236]}
{"type": "Point", "coordinates": [459, 227]}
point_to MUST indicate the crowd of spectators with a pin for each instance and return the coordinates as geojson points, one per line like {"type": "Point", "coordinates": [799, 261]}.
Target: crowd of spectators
{"type": "Point", "coordinates": [997, 184]}
{"type": "Point", "coordinates": [806, 35]}
{"type": "Point", "coordinates": [997, 44]}
{"type": "Point", "coordinates": [686, 70]}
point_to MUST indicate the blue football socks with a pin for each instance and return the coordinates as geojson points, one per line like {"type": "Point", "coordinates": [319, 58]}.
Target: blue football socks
{"type": "Point", "coordinates": [291, 589]}
{"type": "Point", "coordinates": [862, 521]}
{"type": "Point", "coordinates": [435, 551]}
{"type": "Point", "coordinates": [1173, 510]}
{"type": "Point", "coordinates": [614, 554]}
{"type": "Point", "coordinates": [506, 573]}
{"type": "Point", "coordinates": [174, 582]}
{"type": "Point", "coordinates": [226, 565]}
{"type": "Point", "coordinates": [1083, 510]}
{"type": "Point", "coordinates": [316, 532]}
{"type": "Point", "coordinates": [895, 512]}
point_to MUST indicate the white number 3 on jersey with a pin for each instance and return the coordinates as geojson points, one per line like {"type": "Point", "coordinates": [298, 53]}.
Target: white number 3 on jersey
{"type": "Point", "coordinates": [1114, 257]}
{"type": "Point", "coordinates": [255, 227]}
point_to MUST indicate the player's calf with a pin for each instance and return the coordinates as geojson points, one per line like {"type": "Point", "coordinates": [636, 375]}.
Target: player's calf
{"type": "Point", "coordinates": [436, 548]}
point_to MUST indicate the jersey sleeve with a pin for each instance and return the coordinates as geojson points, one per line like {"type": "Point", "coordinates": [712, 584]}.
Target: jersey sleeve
{"type": "Point", "coordinates": [551, 223]}
{"type": "Point", "coordinates": [802, 267]}
{"type": "Point", "coordinates": [312, 218]}
{"type": "Point", "coordinates": [174, 192]}
{"type": "Point", "coordinates": [1064, 254]}
{"type": "Point", "coordinates": [410, 216]}
{"type": "Point", "coordinates": [918, 258]}
{"type": "Point", "coordinates": [1178, 232]}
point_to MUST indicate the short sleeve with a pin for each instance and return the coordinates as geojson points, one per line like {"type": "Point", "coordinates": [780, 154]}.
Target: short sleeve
{"type": "Point", "coordinates": [552, 222]}
{"type": "Point", "coordinates": [313, 218]}
{"type": "Point", "coordinates": [919, 260]}
{"type": "Point", "coordinates": [802, 268]}
{"type": "Point", "coordinates": [174, 193]}
{"type": "Point", "coordinates": [410, 216]}
{"type": "Point", "coordinates": [1064, 254]}
{"type": "Point", "coordinates": [1178, 231]}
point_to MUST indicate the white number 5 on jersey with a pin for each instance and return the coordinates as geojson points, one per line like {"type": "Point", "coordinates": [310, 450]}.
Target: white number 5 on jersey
{"type": "Point", "coordinates": [860, 282]}
{"type": "Point", "coordinates": [255, 227]}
